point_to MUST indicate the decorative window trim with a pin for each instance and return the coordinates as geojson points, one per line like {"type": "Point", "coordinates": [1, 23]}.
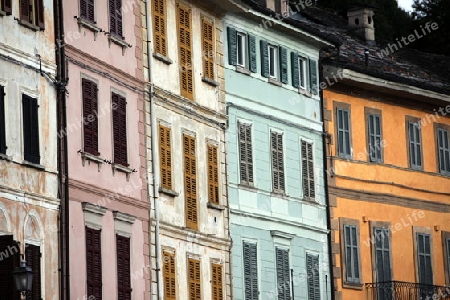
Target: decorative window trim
{"type": "Point", "coordinates": [120, 42]}
{"type": "Point", "coordinates": [93, 215]}
{"type": "Point", "coordinates": [88, 25]}
{"type": "Point", "coordinates": [120, 168]}
{"type": "Point", "coordinates": [282, 238]}
{"type": "Point", "coordinates": [89, 157]}
{"type": "Point", "coordinates": [276, 62]}
{"type": "Point", "coordinates": [345, 283]}
{"type": "Point", "coordinates": [123, 223]}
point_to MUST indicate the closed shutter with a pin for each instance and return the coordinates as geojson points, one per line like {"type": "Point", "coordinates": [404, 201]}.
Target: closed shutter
{"type": "Point", "coordinates": [208, 49]}
{"type": "Point", "coordinates": [312, 270]}
{"type": "Point", "coordinates": [194, 280]}
{"type": "Point", "coordinates": [351, 254]}
{"type": "Point", "coordinates": [295, 70]}
{"type": "Point", "coordinates": [443, 150]}
{"type": "Point", "coordinates": [276, 142]}
{"type": "Point", "coordinates": [190, 182]}
{"type": "Point", "coordinates": [216, 282]}
{"type": "Point", "coordinates": [283, 274]}
{"type": "Point", "coordinates": [245, 153]}
{"type": "Point", "coordinates": [90, 106]}
{"type": "Point", "coordinates": [185, 50]}
{"type": "Point", "coordinates": [424, 258]}
{"type": "Point", "coordinates": [9, 260]}
{"type": "Point", "coordinates": [165, 157]}
{"type": "Point", "coordinates": [30, 129]}
{"type": "Point", "coordinates": [343, 124]}
{"type": "Point", "coordinates": [213, 175]}
{"type": "Point", "coordinates": [120, 130]}
{"type": "Point", "coordinates": [284, 65]}
{"type": "Point", "coordinates": [382, 255]}
{"type": "Point", "coordinates": [265, 72]}
{"type": "Point", "coordinates": [25, 11]}
{"type": "Point", "coordinates": [7, 8]}
{"type": "Point", "coordinates": [87, 10]}
{"type": "Point", "coordinates": [169, 274]}
{"type": "Point", "coordinates": [313, 78]}
{"type": "Point", "coordinates": [250, 257]}
{"type": "Point", "coordinates": [159, 26]}
{"type": "Point", "coordinates": [39, 13]}
{"type": "Point", "coordinates": [123, 267]}
{"type": "Point", "coordinates": [415, 145]}
{"type": "Point", "coordinates": [308, 170]}
{"type": "Point", "coordinates": [375, 138]}
{"type": "Point", "coordinates": [252, 53]}
{"type": "Point", "coordinates": [447, 255]}
{"type": "Point", "coordinates": [93, 263]}
{"type": "Point", "coordinates": [115, 18]}
{"type": "Point", "coordinates": [33, 258]}
{"type": "Point", "coordinates": [2, 121]}
{"type": "Point", "coordinates": [232, 46]}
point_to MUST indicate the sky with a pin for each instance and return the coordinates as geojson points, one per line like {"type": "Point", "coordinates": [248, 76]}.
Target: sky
{"type": "Point", "coordinates": [406, 4]}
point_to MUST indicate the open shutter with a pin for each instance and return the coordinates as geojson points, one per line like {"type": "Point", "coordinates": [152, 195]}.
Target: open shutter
{"type": "Point", "coordinates": [169, 275]}
{"type": "Point", "coordinates": [123, 267]}
{"type": "Point", "coordinates": [295, 70]}
{"type": "Point", "coordinates": [165, 157]}
{"type": "Point", "coordinates": [120, 130]}
{"type": "Point", "coordinates": [213, 175]}
{"type": "Point", "coordinates": [264, 59]}
{"type": "Point", "coordinates": [250, 271]}
{"type": "Point", "coordinates": [216, 282]}
{"type": "Point", "coordinates": [94, 263]}
{"type": "Point", "coordinates": [7, 7]}
{"type": "Point", "coordinates": [208, 49]}
{"type": "Point", "coordinates": [33, 258]}
{"type": "Point", "coordinates": [194, 280]}
{"type": "Point", "coordinates": [313, 78]}
{"type": "Point", "coordinates": [190, 182]}
{"type": "Point", "coordinates": [252, 53]}
{"type": "Point", "coordinates": [232, 46]}
{"type": "Point", "coordinates": [159, 26]}
{"type": "Point", "coordinates": [312, 266]}
{"type": "Point", "coordinates": [10, 259]}
{"type": "Point", "coordinates": [284, 65]}
{"type": "Point", "coordinates": [185, 50]}
{"type": "Point", "coordinates": [2, 122]}
{"type": "Point", "coordinates": [30, 129]}
{"type": "Point", "coordinates": [25, 10]}
{"type": "Point", "coordinates": [39, 13]}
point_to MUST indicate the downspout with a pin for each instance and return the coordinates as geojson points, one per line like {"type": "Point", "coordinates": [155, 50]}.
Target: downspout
{"type": "Point", "coordinates": [155, 166]}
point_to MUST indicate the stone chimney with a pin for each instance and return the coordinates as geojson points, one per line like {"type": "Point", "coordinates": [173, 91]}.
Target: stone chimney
{"type": "Point", "coordinates": [360, 20]}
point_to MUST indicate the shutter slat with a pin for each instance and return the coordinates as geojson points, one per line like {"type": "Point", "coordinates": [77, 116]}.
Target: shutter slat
{"type": "Point", "coordinates": [252, 53]}
{"type": "Point", "coordinates": [232, 46]}
{"type": "Point", "coordinates": [284, 65]}
{"type": "Point", "coordinates": [165, 157]}
{"type": "Point", "coordinates": [264, 59]}
{"type": "Point", "coordinates": [313, 76]}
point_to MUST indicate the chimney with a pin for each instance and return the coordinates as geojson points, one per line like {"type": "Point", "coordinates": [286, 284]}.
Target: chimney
{"type": "Point", "coordinates": [360, 20]}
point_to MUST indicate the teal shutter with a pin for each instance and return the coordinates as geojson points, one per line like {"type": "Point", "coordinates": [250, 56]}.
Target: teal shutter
{"type": "Point", "coordinates": [313, 76]}
{"type": "Point", "coordinates": [252, 53]}
{"type": "Point", "coordinates": [232, 46]}
{"type": "Point", "coordinates": [250, 271]}
{"type": "Point", "coordinates": [295, 70]}
{"type": "Point", "coordinates": [284, 65]}
{"type": "Point", "coordinates": [264, 59]}
{"type": "Point", "coordinates": [312, 269]}
{"type": "Point", "coordinates": [283, 274]}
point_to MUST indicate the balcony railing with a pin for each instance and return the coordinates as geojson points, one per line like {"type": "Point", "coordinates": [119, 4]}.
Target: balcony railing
{"type": "Point", "coordinates": [399, 290]}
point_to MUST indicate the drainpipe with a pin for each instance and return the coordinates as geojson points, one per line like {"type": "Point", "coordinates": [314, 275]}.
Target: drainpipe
{"type": "Point", "coordinates": [155, 166]}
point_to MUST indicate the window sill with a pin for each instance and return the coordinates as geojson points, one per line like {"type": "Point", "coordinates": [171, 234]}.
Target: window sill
{"type": "Point", "coordinates": [33, 165]}
{"type": "Point", "coordinates": [4, 13]}
{"type": "Point", "coordinates": [85, 156]}
{"type": "Point", "coordinates": [215, 206]}
{"type": "Point", "coordinates": [88, 25]}
{"type": "Point", "coordinates": [210, 81]}
{"type": "Point", "coordinates": [248, 187]}
{"type": "Point", "coordinates": [243, 70]}
{"type": "Point", "coordinates": [5, 157]}
{"type": "Point", "coordinates": [121, 168]}
{"type": "Point", "coordinates": [354, 286]}
{"type": "Point", "coordinates": [162, 58]}
{"type": "Point", "coordinates": [29, 25]}
{"type": "Point", "coordinates": [310, 200]}
{"type": "Point", "coordinates": [281, 194]}
{"type": "Point", "coordinates": [304, 92]}
{"type": "Point", "coordinates": [275, 81]}
{"type": "Point", "coordinates": [168, 192]}
{"type": "Point", "coordinates": [118, 41]}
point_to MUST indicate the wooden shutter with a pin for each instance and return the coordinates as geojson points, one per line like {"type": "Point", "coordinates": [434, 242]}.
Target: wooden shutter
{"type": "Point", "coordinates": [232, 46]}
{"type": "Point", "coordinates": [382, 255]}
{"type": "Point", "coordinates": [213, 175]}
{"type": "Point", "coordinates": [30, 129]}
{"type": "Point", "coordinates": [374, 138]}
{"type": "Point", "coordinates": [159, 26]}
{"type": "Point", "coordinates": [308, 170]}
{"type": "Point", "coordinates": [424, 258]}
{"type": "Point", "coordinates": [7, 7]}
{"type": "Point", "coordinates": [283, 274]}
{"type": "Point", "coordinates": [312, 270]}
{"type": "Point", "coordinates": [351, 253]}
{"type": "Point", "coordinates": [295, 70]}
{"type": "Point", "coordinates": [250, 257]}
{"type": "Point", "coordinates": [25, 10]}
{"type": "Point", "coordinates": [165, 157]}
{"type": "Point", "coordinates": [115, 18]}
{"type": "Point", "coordinates": [120, 130]}
{"type": "Point", "coordinates": [313, 77]}
{"type": "Point", "coordinates": [447, 255]}
{"type": "Point", "coordinates": [265, 72]}
{"type": "Point", "coordinates": [39, 13]}
{"type": "Point", "coordinates": [2, 122]}
{"type": "Point", "coordinates": [10, 259]}
{"type": "Point", "coordinates": [33, 258]}
{"type": "Point", "coordinates": [87, 9]}
{"type": "Point", "coordinates": [123, 267]}
{"type": "Point", "coordinates": [190, 182]}
{"type": "Point", "coordinates": [169, 274]}
{"type": "Point", "coordinates": [252, 53]}
{"type": "Point", "coordinates": [208, 48]}
{"type": "Point", "coordinates": [443, 150]}
{"type": "Point", "coordinates": [284, 65]}
{"type": "Point", "coordinates": [216, 282]}
{"type": "Point", "coordinates": [90, 129]}
{"type": "Point", "coordinates": [194, 280]}
{"type": "Point", "coordinates": [415, 145]}
{"type": "Point", "coordinates": [276, 142]}
{"type": "Point", "coordinates": [185, 50]}
{"type": "Point", "coordinates": [343, 124]}
{"type": "Point", "coordinates": [245, 153]}
{"type": "Point", "coordinates": [93, 263]}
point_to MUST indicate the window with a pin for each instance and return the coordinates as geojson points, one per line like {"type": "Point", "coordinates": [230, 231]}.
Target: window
{"type": "Point", "coordinates": [216, 282]}
{"type": "Point", "coordinates": [169, 274]}
{"type": "Point", "coordinates": [194, 279]}
{"type": "Point", "coordinates": [446, 248]}
{"type": "Point", "coordinates": [382, 251]}
{"type": "Point", "coordinates": [123, 267]}
{"type": "Point", "coordinates": [120, 129]}
{"type": "Point", "coordinates": [30, 129]}
{"type": "Point", "coordinates": [213, 175]}
{"type": "Point", "coordinates": [312, 271]}
{"type": "Point", "coordinates": [32, 12]}
{"type": "Point", "coordinates": [159, 27]}
{"type": "Point", "coordinates": [90, 124]}
{"type": "Point", "coordinates": [33, 258]}
{"type": "Point", "coordinates": [241, 49]}
{"type": "Point", "coordinates": [165, 157]}
{"type": "Point", "coordinates": [343, 132]}
{"type": "Point", "coordinates": [7, 266]}
{"type": "Point", "coordinates": [424, 261]}
{"type": "Point", "coordinates": [302, 72]}
{"type": "Point", "coordinates": [273, 61]}
{"type": "Point", "coordinates": [87, 9]}
{"type": "Point", "coordinates": [94, 263]}
{"type": "Point", "coordinates": [308, 170]}
{"type": "Point", "coordinates": [208, 48]}
{"type": "Point", "coordinates": [245, 153]}
{"type": "Point", "coordinates": [299, 71]}
{"type": "Point", "coordinates": [115, 18]}
{"type": "Point", "coordinates": [443, 145]}
{"type": "Point", "coordinates": [190, 182]}
{"type": "Point", "coordinates": [374, 136]}
{"type": "Point", "coordinates": [351, 261]}
{"type": "Point", "coordinates": [283, 274]}
{"type": "Point", "coordinates": [6, 6]}
{"type": "Point", "coordinates": [276, 142]}
{"type": "Point", "coordinates": [185, 51]}
{"type": "Point", "coordinates": [250, 271]}
{"type": "Point", "coordinates": [2, 121]}
{"type": "Point", "coordinates": [282, 7]}
{"type": "Point", "coordinates": [415, 144]}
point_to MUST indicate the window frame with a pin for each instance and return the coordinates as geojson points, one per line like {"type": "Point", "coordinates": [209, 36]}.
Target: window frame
{"type": "Point", "coordinates": [343, 222]}
{"type": "Point", "coordinates": [445, 235]}
{"type": "Point", "coordinates": [411, 120]}
{"type": "Point", "coordinates": [35, 18]}
{"type": "Point", "coordinates": [5, 7]}
{"type": "Point", "coordinates": [368, 112]}
{"type": "Point", "coordinates": [243, 50]}
{"type": "Point", "coordinates": [274, 57]}
{"type": "Point", "coordinates": [118, 20]}
{"type": "Point", "coordinates": [303, 75]}
{"type": "Point", "coordinates": [343, 107]}
{"type": "Point", "coordinates": [445, 128]}
{"type": "Point", "coordinates": [416, 230]}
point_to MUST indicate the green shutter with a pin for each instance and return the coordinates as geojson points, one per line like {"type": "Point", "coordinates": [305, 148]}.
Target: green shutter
{"type": "Point", "coordinates": [232, 46]}
{"type": "Point", "coordinates": [284, 65]}
{"type": "Point", "coordinates": [250, 271]}
{"type": "Point", "coordinates": [313, 76]}
{"type": "Point", "coordinates": [264, 59]}
{"type": "Point", "coordinates": [312, 269]}
{"type": "Point", "coordinates": [295, 70]}
{"type": "Point", "coordinates": [252, 53]}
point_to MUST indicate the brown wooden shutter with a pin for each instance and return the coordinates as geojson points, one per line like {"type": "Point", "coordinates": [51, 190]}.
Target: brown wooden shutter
{"type": "Point", "coordinates": [39, 13]}
{"type": "Point", "coordinates": [94, 263]}
{"type": "Point", "coordinates": [90, 129]}
{"type": "Point", "coordinates": [185, 50]}
{"type": "Point", "coordinates": [10, 259]}
{"type": "Point", "coordinates": [208, 49]}
{"type": "Point", "coordinates": [115, 18]}
{"type": "Point", "coordinates": [33, 258]}
{"type": "Point", "coordinates": [169, 274]}
{"type": "Point", "coordinates": [165, 157]}
{"type": "Point", "coordinates": [159, 26]}
{"type": "Point", "coordinates": [190, 182]}
{"type": "Point", "coordinates": [120, 130]}
{"type": "Point", "coordinates": [30, 129]}
{"type": "Point", "coordinates": [87, 9]}
{"type": "Point", "coordinates": [216, 282]}
{"type": "Point", "coordinates": [25, 10]}
{"type": "Point", "coordinates": [213, 175]}
{"type": "Point", "coordinates": [123, 267]}
{"type": "Point", "coordinates": [7, 7]}
{"type": "Point", "coordinates": [194, 280]}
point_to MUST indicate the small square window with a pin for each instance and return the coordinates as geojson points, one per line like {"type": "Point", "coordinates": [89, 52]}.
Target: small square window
{"type": "Point", "coordinates": [273, 62]}
{"type": "Point", "coordinates": [241, 49]}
